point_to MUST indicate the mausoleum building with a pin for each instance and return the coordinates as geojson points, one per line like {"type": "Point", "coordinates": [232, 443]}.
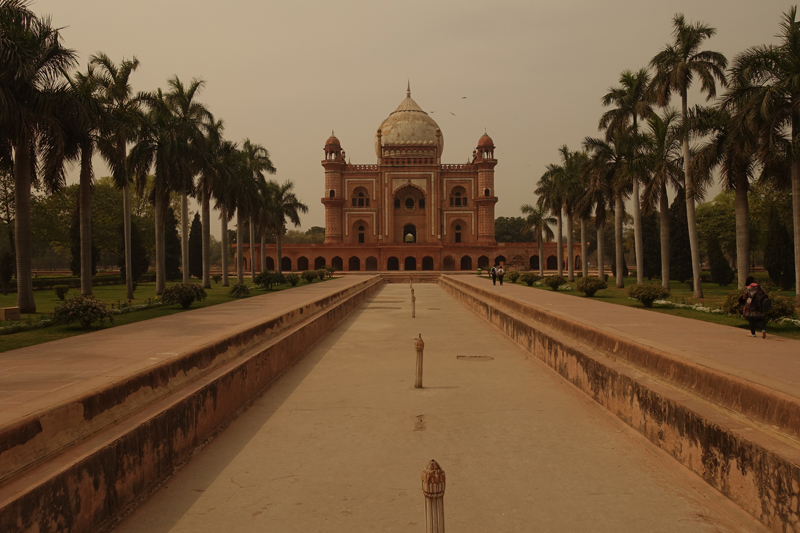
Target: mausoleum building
{"type": "Point", "coordinates": [410, 211]}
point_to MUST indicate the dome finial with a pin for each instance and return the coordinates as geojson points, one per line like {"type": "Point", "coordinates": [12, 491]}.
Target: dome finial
{"type": "Point", "coordinates": [408, 90]}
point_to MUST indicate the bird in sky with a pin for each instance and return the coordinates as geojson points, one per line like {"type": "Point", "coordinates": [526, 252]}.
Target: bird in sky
{"type": "Point", "coordinates": [452, 113]}
{"type": "Point", "coordinates": [463, 97]}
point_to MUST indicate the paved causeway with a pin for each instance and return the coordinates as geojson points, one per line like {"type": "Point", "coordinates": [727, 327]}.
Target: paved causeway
{"type": "Point", "coordinates": [338, 443]}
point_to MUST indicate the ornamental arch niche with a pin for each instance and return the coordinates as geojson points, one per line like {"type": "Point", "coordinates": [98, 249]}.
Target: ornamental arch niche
{"type": "Point", "coordinates": [319, 262]}
{"type": "Point", "coordinates": [360, 232]}
{"type": "Point", "coordinates": [448, 263]}
{"type": "Point", "coordinates": [500, 259]}
{"type": "Point", "coordinates": [458, 196]}
{"type": "Point", "coordinates": [360, 197]}
{"type": "Point", "coordinates": [466, 263]}
{"type": "Point", "coordinates": [302, 263]}
{"type": "Point", "coordinates": [372, 263]}
{"type": "Point", "coordinates": [410, 263]}
{"type": "Point", "coordinates": [337, 263]}
{"type": "Point", "coordinates": [427, 263]}
{"type": "Point", "coordinates": [552, 263]}
{"type": "Point", "coordinates": [534, 262]}
{"type": "Point", "coordinates": [354, 263]}
{"type": "Point", "coordinates": [270, 263]}
{"type": "Point", "coordinates": [286, 264]}
{"type": "Point", "coordinates": [393, 263]}
{"type": "Point", "coordinates": [409, 234]}
{"type": "Point", "coordinates": [458, 230]}
{"type": "Point", "coordinates": [483, 262]}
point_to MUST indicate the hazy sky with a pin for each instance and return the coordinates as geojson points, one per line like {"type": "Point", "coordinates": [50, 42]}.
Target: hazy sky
{"type": "Point", "coordinates": [285, 73]}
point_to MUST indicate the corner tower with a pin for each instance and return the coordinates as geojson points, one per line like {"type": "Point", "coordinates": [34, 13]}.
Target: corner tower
{"type": "Point", "coordinates": [485, 162]}
{"type": "Point", "coordinates": [333, 200]}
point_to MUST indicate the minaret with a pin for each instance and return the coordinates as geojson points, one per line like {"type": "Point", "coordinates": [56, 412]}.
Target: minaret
{"type": "Point", "coordinates": [333, 200]}
{"type": "Point", "coordinates": [485, 162]}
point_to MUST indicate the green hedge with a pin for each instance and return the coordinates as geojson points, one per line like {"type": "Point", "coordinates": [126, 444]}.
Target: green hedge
{"type": "Point", "coordinates": [74, 282]}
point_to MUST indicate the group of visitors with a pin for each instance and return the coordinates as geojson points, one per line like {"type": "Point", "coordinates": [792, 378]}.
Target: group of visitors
{"type": "Point", "coordinates": [497, 273]}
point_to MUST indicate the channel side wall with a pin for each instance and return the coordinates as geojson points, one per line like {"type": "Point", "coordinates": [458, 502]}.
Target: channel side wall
{"type": "Point", "coordinates": [757, 470]}
{"type": "Point", "coordinates": [85, 488]}
{"type": "Point", "coordinates": [34, 438]}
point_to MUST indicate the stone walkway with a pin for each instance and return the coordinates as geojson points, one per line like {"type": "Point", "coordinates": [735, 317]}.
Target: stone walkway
{"type": "Point", "coordinates": [773, 362]}
{"type": "Point", "coordinates": [37, 377]}
{"type": "Point", "coordinates": [338, 443]}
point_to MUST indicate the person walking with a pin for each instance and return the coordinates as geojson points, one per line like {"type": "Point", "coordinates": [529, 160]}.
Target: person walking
{"type": "Point", "coordinates": [756, 306]}
{"type": "Point", "coordinates": [500, 274]}
{"type": "Point", "coordinates": [493, 272]}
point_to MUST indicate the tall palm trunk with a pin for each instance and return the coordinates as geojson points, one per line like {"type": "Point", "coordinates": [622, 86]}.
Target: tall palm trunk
{"type": "Point", "coordinates": [205, 218]}
{"type": "Point", "coordinates": [637, 232]}
{"type": "Point", "coordinates": [601, 259]}
{"type": "Point", "coordinates": [252, 250]}
{"type": "Point", "coordinates": [664, 214]}
{"type": "Point", "coordinates": [161, 263]}
{"type": "Point", "coordinates": [185, 236]}
{"type": "Point", "coordinates": [224, 218]}
{"type": "Point", "coordinates": [22, 226]}
{"type": "Point", "coordinates": [690, 210]}
{"type": "Point", "coordinates": [584, 249]}
{"type": "Point", "coordinates": [796, 219]}
{"type": "Point", "coordinates": [796, 199]}
{"type": "Point", "coordinates": [263, 251]}
{"type": "Point", "coordinates": [239, 246]}
{"type": "Point", "coordinates": [560, 243]}
{"type": "Point", "coordinates": [85, 220]}
{"type": "Point", "coordinates": [126, 215]}
{"type": "Point", "coordinates": [742, 230]}
{"type": "Point", "coordinates": [619, 216]}
{"type": "Point", "coordinates": [541, 251]}
{"type": "Point", "coordinates": [570, 255]}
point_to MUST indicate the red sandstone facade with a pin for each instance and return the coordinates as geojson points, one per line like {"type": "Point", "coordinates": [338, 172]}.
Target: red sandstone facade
{"type": "Point", "coordinates": [409, 211]}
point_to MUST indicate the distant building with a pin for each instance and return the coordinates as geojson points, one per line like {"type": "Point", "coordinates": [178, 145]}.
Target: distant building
{"type": "Point", "coordinates": [409, 211]}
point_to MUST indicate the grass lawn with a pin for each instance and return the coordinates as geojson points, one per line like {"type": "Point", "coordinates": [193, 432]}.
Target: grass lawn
{"type": "Point", "coordinates": [46, 301]}
{"type": "Point", "coordinates": [680, 293]}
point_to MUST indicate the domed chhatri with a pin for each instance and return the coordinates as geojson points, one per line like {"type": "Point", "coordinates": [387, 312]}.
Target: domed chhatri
{"type": "Point", "coordinates": [408, 125]}
{"type": "Point", "coordinates": [485, 141]}
{"type": "Point", "coordinates": [332, 143]}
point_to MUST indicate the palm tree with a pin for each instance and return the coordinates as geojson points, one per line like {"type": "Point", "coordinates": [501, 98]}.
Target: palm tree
{"type": "Point", "coordinates": [209, 184]}
{"type": "Point", "coordinates": [632, 102]}
{"type": "Point", "coordinates": [550, 193]}
{"type": "Point", "coordinates": [193, 119]}
{"type": "Point", "coordinates": [731, 148]}
{"type": "Point", "coordinates": [664, 161]}
{"type": "Point", "coordinates": [771, 98]}
{"type": "Point", "coordinates": [574, 165]}
{"type": "Point", "coordinates": [82, 113]}
{"type": "Point", "coordinates": [228, 168]}
{"type": "Point", "coordinates": [609, 170]}
{"type": "Point", "coordinates": [284, 205]}
{"type": "Point", "coordinates": [120, 118]}
{"type": "Point", "coordinates": [31, 60]}
{"type": "Point", "coordinates": [163, 146]}
{"type": "Point", "coordinates": [676, 66]}
{"type": "Point", "coordinates": [536, 219]}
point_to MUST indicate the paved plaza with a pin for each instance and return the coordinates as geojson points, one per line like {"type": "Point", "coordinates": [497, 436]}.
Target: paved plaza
{"type": "Point", "coordinates": [338, 443]}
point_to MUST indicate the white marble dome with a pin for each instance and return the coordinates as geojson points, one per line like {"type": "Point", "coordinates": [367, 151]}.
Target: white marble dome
{"type": "Point", "coordinates": [408, 124]}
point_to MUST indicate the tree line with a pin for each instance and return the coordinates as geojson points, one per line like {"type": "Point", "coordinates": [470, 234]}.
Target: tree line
{"type": "Point", "coordinates": [155, 143]}
{"type": "Point", "coordinates": [749, 135]}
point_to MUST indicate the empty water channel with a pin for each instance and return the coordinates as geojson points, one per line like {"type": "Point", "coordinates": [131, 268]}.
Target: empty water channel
{"type": "Point", "coordinates": [338, 443]}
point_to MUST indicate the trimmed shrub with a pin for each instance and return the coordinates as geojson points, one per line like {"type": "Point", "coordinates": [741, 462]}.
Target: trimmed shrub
{"type": "Point", "coordinates": [647, 293]}
{"type": "Point", "coordinates": [184, 294]}
{"type": "Point", "coordinates": [61, 291]}
{"type": "Point", "coordinates": [321, 273]}
{"type": "Point", "coordinates": [554, 281]}
{"type": "Point", "coordinates": [239, 290]}
{"type": "Point", "coordinates": [782, 306]}
{"type": "Point", "coordinates": [590, 285]}
{"type": "Point", "coordinates": [309, 275]}
{"type": "Point", "coordinates": [330, 271]}
{"type": "Point", "coordinates": [513, 276]}
{"type": "Point", "coordinates": [292, 278]}
{"type": "Point", "coordinates": [83, 309]}
{"type": "Point", "coordinates": [268, 279]}
{"type": "Point", "coordinates": [216, 278]}
{"type": "Point", "coordinates": [530, 278]}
